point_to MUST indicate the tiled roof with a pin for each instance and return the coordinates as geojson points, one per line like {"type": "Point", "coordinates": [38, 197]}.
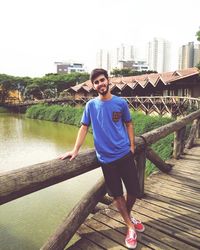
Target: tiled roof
{"type": "Point", "coordinates": [141, 80]}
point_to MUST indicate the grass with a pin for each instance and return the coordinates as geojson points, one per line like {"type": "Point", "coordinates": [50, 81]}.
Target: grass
{"type": "Point", "coordinates": [142, 123]}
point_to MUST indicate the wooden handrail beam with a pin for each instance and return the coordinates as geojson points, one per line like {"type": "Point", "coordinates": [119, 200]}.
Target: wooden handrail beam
{"type": "Point", "coordinates": [161, 132]}
{"type": "Point", "coordinates": [23, 181]}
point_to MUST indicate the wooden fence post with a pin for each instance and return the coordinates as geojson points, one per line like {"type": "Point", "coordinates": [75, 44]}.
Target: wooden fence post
{"type": "Point", "coordinates": [179, 136]}
{"type": "Point", "coordinates": [198, 129]}
{"type": "Point", "coordinates": [191, 137]}
{"type": "Point", "coordinates": [140, 164]}
{"type": "Point", "coordinates": [156, 160]}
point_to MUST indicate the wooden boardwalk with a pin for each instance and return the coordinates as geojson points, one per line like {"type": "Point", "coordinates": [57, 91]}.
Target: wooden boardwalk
{"type": "Point", "coordinates": [170, 211]}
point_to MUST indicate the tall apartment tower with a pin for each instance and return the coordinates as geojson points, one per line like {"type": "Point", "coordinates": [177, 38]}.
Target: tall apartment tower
{"type": "Point", "coordinates": [103, 59]}
{"type": "Point", "coordinates": [189, 55]}
{"type": "Point", "coordinates": [109, 59]}
{"type": "Point", "coordinates": [159, 55]}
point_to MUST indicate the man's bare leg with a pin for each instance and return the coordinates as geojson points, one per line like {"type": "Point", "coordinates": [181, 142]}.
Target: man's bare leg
{"type": "Point", "coordinates": [130, 201]}
{"type": "Point", "coordinates": [122, 207]}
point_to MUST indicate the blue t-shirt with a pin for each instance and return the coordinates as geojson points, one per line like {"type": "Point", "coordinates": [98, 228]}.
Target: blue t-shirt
{"type": "Point", "coordinates": [107, 120]}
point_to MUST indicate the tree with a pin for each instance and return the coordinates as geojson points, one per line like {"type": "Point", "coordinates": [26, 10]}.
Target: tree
{"type": "Point", "coordinates": [7, 84]}
{"type": "Point", "coordinates": [198, 35]}
{"type": "Point", "coordinates": [130, 72]}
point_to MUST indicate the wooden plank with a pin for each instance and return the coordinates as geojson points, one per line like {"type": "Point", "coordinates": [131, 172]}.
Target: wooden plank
{"type": "Point", "coordinates": [180, 210]}
{"type": "Point", "coordinates": [173, 185]}
{"type": "Point", "coordinates": [172, 202]}
{"type": "Point", "coordinates": [170, 213]}
{"type": "Point", "coordinates": [148, 234]}
{"type": "Point", "coordinates": [187, 167]}
{"type": "Point", "coordinates": [173, 190]}
{"type": "Point", "coordinates": [189, 176]}
{"type": "Point", "coordinates": [167, 227]}
{"type": "Point", "coordinates": [98, 238]}
{"type": "Point", "coordinates": [193, 233]}
{"type": "Point", "coordinates": [174, 195]}
{"type": "Point", "coordinates": [176, 191]}
{"type": "Point", "coordinates": [107, 231]}
{"type": "Point", "coordinates": [141, 237]}
{"type": "Point", "coordinates": [179, 179]}
{"type": "Point", "coordinates": [85, 244]}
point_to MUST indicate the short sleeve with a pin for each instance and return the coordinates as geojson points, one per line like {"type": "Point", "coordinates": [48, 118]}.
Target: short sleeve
{"type": "Point", "coordinates": [126, 116]}
{"type": "Point", "coordinates": [85, 120]}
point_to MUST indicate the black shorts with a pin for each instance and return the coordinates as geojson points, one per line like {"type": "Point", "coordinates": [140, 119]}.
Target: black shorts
{"type": "Point", "coordinates": [120, 170]}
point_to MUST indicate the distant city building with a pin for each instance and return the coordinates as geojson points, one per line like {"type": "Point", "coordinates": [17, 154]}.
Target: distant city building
{"type": "Point", "coordinates": [189, 55]}
{"type": "Point", "coordinates": [103, 59]}
{"type": "Point", "coordinates": [135, 65]}
{"type": "Point", "coordinates": [109, 59]}
{"type": "Point", "coordinates": [66, 67]}
{"type": "Point", "coordinates": [159, 55]}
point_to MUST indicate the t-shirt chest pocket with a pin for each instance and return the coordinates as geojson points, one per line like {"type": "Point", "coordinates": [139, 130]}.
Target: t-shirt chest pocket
{"type": "Point", "coordinates": [116, 116]}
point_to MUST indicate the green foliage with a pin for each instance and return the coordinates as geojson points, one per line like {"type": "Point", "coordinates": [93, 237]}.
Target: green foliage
{"type": "Point", "coordinates": [198, 65]}
{"type": "Point", "coordinates": [198, 35]}
{"type": "Point", "coordinates": [48, 86]}
{"type": "Point", "coordinates": [142, 124]}
{"type": "Point", "coordinates": [3, 110]}
{"type": "Point", "coordinates": [129, 72]}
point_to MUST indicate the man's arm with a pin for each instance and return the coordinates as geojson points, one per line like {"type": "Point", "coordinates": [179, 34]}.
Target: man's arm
{"type": "Point", "coordinates": [130, 131]}
{"type": "Point", "coordinates": [79, 141]}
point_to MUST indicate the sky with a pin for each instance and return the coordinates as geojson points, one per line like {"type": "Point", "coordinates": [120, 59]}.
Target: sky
{"type": "Point", "coordinates": [36, 33]}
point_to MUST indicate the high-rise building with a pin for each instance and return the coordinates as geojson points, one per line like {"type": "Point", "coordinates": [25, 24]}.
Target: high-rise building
{"type": "Point", "coordinates": [159, 55]}
{"type": "Point", "coordinates": [109, 59]}
{"type": "Point", "coordinates": [103, 59]}
{"type": "Point", "coordinates": [189, 55]}
{"type": "Point", "coordinates": [67, 67]}
{"type": "Point", "coordinates": [196, 54]}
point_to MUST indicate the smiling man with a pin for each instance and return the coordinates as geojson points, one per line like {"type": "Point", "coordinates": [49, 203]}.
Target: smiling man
{"type": "Point", "coordinates": [113, 134]}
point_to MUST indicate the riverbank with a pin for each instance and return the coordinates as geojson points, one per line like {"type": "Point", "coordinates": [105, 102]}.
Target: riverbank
{"type": "Point", "coordinates": [142, 123]}
{"type": "Point", "coordinates": [3, 110]}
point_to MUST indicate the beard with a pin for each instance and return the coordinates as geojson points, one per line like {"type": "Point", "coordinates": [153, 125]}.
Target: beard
{"type": "Point", "coordinates": [103, 93]}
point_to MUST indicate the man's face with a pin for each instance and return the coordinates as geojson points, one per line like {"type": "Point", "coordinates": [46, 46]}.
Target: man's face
{"type": "Point", "coordinates": [101, 84]}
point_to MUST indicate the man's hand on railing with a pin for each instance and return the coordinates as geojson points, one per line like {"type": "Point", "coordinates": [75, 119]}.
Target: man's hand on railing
{"type": "Point", "coordinates": [72, 154]}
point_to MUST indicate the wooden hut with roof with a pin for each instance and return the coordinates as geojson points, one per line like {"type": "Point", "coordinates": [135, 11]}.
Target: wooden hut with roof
{"type": "Point", "coordinates": [178, 83]}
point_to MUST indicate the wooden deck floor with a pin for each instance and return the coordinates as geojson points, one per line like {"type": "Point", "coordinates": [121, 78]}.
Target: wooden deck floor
{"type": "Point", "coordinates": [170, 211]}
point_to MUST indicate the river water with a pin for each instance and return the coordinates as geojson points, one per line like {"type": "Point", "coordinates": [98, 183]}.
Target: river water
{"type": "Point", "coordinates": [27, 222]}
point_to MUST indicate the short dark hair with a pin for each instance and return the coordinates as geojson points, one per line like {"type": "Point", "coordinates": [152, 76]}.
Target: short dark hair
{"type": "Point", "coordinates": [97, 72]}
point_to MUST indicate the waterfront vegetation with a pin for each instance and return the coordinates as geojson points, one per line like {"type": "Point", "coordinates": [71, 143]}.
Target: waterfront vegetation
{"type": "Point", "coordinates": [3, 110]}
{"type": "Point", "coordinates": [142, 123]}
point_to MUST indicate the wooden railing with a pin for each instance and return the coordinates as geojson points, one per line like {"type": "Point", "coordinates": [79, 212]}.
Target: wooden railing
{"type": "Point", "coordinates": [173, 105]}
{"type": "Point", "coordinates": [23, 181]}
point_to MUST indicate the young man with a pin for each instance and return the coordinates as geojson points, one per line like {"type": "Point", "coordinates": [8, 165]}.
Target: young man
{"type": "Point", "coordinates": [113, 134]}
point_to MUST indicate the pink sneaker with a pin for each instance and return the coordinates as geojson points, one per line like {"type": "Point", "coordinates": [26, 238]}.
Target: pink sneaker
{"type": "Point", "coordinates": [138, 225]}
{"type": "Point", "coordinates": [131, 239]}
